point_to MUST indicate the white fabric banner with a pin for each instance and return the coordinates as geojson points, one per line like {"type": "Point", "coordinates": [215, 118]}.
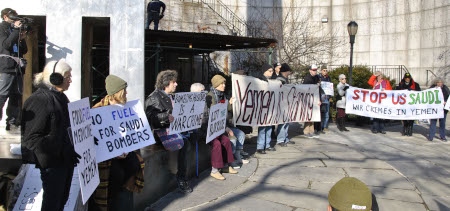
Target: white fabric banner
{"type": "Point", "coordinates": [188, 110]}
{"type": "Point", "coordinates": [261, 103]}
{"type": "Point", "coordinates": [83, 141]}
{"type": "Point", "coordinates": [327, 87]}
{"type": "Point", "coordinates": [395, 104]}
{"type": "Point", "coordinates": [120, 129]}
{"type": "Point", "coordinates": [30, 197]}
{"type": "Point", "coordinates": [217, 121]}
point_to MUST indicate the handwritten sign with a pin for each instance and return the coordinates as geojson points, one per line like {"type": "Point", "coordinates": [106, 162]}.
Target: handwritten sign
{"type": "Point", "coordinates": [188, 110]}
{"type": "Point", "coordinates": [398, 104]}
{"type": "Point", "coordinates": [327, 87]}
{"type": "Point", "coordinates": [261, 103]}
{"type": "Point", "coordinates": [30, 197]}
{"type": "Point", "coordinates": [120, 129]}
{"type": "Point", "coordinates": [83, 142]}
{"type": "Point", "coordinates": [217, 121]}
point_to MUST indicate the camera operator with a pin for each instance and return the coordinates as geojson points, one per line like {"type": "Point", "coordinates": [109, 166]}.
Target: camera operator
{"type": "Point", "coordinates": [13, 47]}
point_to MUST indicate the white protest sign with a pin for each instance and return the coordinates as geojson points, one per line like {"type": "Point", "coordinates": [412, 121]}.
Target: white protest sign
{"type": "Point", "coordinates": [120, 129]}
{"type": "Point", "coordinates": [261, 103]}
{"type": "Point", "coordinates": [188, 110]}
{"type": "Point", "coordinates": [398, 104]}
{"type": "Point", "coordinates": [30, 197]}
{"type": "Point", "coordinates": [217, 121]}
{"type": "Point", "coordinates": [83, 142]}
{"type": "Point", "coordinates": [327, 87]}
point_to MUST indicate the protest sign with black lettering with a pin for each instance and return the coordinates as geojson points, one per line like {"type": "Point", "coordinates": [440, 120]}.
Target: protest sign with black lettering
{"type": "Point", "coordinates": [217, 121]}
{"type": "Point", "coordinates": [83, 142]}
{"type": "Point", "coordinates": [327, 87]}
{"type": "Point", "coordinates": [261, 103]}
{"type": "Point", "coordinates": [187, 110]}
{"type": "Point", "coordinates": [395, 104]}
{"type": "Point", "coordinates": [120, 129]}
{"type": "Point", "coordinates": [30, 197]}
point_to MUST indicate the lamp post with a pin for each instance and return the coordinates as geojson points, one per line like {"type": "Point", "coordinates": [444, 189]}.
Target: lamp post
{"type": "Point", "coordinates": [352, 28]}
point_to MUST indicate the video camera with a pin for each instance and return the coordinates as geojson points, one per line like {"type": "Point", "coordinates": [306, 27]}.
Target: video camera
{"type": "Point", "coordinates": [26, 22]}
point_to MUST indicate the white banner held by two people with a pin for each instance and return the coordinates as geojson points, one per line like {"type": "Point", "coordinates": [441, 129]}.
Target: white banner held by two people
{"type": "Point", "coordinates": [261, 103]}
{"type": "Point", "coordinates": [83, 142]}
{"type": "Point", "coordinates": [120, 129]}
{"type": "Point", "coordinates": [188, 108]}
{"type": "Point", "coordinates": [217, 121]}
{"type": "Point", "coordinates": [398, 104]}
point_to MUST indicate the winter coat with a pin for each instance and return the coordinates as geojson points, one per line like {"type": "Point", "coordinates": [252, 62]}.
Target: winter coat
{"type": "Point", "coordinates": [8, 38]}
{"type": "Point", "coordinates": [158, 106]}
{"type": "Point", "coordinates": [340, 89]}
{"type": "Point", "coordinates": [44, 129]}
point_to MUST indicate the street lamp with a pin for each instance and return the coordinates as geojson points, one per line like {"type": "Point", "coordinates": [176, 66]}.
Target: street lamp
{"type": "Point", "coordinates": [352, 28]}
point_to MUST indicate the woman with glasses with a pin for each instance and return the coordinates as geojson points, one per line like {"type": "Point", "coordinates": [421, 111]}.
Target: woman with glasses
{"type": "Point", "coordinates": [439, 83]}
{"type": "Point", "coordinates": [340, 104]}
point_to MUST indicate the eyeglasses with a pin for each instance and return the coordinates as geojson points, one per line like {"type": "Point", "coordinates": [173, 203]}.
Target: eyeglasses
{"type": "Point", "coordinates": [314, 69]}
{"type": "Point", "coordinates": [343, 78]}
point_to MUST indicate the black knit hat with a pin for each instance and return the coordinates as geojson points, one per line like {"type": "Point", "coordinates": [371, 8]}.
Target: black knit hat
{"type": "Point", "coordinates": [285, 68]}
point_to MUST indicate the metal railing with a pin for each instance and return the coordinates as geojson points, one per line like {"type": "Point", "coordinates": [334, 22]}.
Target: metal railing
{"type": "Point", "coordinates": [236, 25]}
{"type": "Point", "coordinates": [392, 71]}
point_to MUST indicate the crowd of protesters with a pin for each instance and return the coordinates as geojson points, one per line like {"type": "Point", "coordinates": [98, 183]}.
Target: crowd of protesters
{"type": "Point", "coordinates": [45, 122]}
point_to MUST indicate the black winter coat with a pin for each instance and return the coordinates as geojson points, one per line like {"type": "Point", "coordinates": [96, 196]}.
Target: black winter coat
{"type": "Point", "coordinates": [45, 138]}
{"type": "Point", "coordinates": [7, 39]}
{"type": "Point", "coordinates": [158, 106]}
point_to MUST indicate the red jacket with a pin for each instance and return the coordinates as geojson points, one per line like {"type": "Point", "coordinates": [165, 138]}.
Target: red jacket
{"type": "Point", "coordinates": [384, 83]}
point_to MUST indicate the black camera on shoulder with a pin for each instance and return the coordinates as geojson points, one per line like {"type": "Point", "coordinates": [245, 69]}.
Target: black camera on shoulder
{"type": "Point", "coordinates": [26, 22]}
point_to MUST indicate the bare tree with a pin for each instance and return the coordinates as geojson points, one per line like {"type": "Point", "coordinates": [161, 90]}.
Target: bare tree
{"type": "Point", "coordinates": [301, 41]}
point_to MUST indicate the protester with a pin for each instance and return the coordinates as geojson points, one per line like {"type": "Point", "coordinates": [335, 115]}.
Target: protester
{"type": "Point", "coordinates": [409, 84]}
{"type": "Point", "coordinates": [153, 13]}
{"type": "Point", "coordinates": [311, 78]}
{"type": "Point", "coordinates": [158, 108]}
{"type": "Point", "coordinates": [439, 83]}
{"type": "Point", "coordinates": [45, 134]}
{"type": "Point", "coordinates": [324, 77]}
{"type": "Point", "coordinates": [276, 70]}
{"type": "Point", "coordinates": [340, 103]}
{"type": "Point", "coordinates": [350, 193]}
{"type": "Point", "coordinates": [265, 132]}
{"type": "Point", "coordinates": [282, 129]}
{"type": "Point", "coordinates": [13, 47]}
{"type": "Point", "coordinates": [123, 175]}
{"type": "Point", "coordinates": [378, 82]}
{"type": "Point", "coordinates": [220, 144]}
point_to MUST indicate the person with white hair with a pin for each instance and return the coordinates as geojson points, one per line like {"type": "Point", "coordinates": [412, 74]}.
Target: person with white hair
{"type": "Point", "coordinates": [45, 138]}
{"type": "Point", "coordinates": [340, 103]}
{"type": "Point", "coordinates": [439, 83]}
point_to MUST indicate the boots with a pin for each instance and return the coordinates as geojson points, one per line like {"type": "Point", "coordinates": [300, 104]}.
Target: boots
{"type": "Point", "coordinates": [339, 124]}
{"type": "Point", "coordinates": [343, 124]}
{"type": "Point", "coordinates": [405, 130]}
{"type": "Point", "coordinates": [410, 128]}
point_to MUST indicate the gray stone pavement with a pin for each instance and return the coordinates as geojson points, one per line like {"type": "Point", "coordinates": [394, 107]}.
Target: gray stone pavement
{"type": "Point", "coordinates": [405, 173]}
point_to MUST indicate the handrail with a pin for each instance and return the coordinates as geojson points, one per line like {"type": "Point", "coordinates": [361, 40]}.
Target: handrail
{"type": "Point", "coordinates": [232, 21]}
{"type": "Point", "coordinates": [431, 73]}
{"type": "Point", "coordinates": [392, 71]}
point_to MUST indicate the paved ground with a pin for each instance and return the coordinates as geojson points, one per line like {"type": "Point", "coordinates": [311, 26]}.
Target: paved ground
{"type": "Point", "coordinates": [405, 173]}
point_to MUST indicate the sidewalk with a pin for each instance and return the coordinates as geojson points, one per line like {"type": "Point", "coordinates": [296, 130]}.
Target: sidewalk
{"type": "Point", "coordinates": [405, 173]}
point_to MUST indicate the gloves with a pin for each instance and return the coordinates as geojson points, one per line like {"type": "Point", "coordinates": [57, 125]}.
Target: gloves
{"type": "Point", "coordinates": [73, 156]}
{"type": "Point", "coordinates": [345, 88]}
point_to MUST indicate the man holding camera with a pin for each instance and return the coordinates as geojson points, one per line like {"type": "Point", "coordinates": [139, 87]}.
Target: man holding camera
{"type": "Point", "coordinates": [13, 47]}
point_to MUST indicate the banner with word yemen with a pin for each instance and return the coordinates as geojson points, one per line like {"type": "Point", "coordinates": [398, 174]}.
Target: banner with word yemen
{"type": "Point", "coordinates": [395, 104]}
{"type": "Point", "coordinates": [120, 129]}
{"type": "Point", "coordinates": [188, 108]}
{"type": "Point", "coordinates": [261, 103]}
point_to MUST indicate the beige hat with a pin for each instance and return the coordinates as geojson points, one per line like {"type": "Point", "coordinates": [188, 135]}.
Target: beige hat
{"type": "Point", "coordinates": [217, 80]}
{"type": "Point", "coordinates": [350, 194]}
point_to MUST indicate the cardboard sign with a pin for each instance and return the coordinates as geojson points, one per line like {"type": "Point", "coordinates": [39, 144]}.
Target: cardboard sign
{"type": "Point", "coordinates": [327, 87]}
{"type": "Point", "coordinates": [217, 121]}
{"type": "Point", "coordinates": [395, 104]}
{"type": "Point", "coordinates": [30, 197]}
{"type": "Point", "coordinates": [83, 142]}
{"type": "Point", "coordinates": [188, 108]}
{"type": "Point", "coordinates": [120, 129]}
{"type": "Point", "coordinates": [261, 103]}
